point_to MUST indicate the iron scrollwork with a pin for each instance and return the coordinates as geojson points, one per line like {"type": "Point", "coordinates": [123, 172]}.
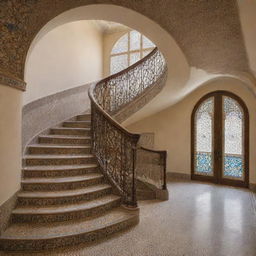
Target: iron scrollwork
{"type": "Point", "coordinates": [115, 147]}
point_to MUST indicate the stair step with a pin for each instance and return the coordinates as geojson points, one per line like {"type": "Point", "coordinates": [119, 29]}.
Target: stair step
{"type": "Point", "coordinates": [59, 159]}
{"type": "Point", "coordinates": [63, 183]}
{"type": "Point", "coordinates": [59, 149]}
{"type": "Point", "coordinates": [36, 237]}
{"type": "Point", "coordinates": [71, 131]}
{"type": "Point", "coordinates": [62, 197]}
{"type": "Point", "coordinates": [46, 214]}
{"type": "Point", "coordinates": [64, 139]}
{"type": "Point", "coordinates": [145, 194]}
{"type": "Point", "coordinates": [58, 170]}
{"type": "Point", "coordinates": [77, 124]}
{"type": "Point", "coordinates": [84, 117]}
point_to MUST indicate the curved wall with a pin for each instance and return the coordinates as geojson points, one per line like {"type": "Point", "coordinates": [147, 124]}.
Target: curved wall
{"type": "Point", "coordinates": [49, 111]}
{"type": "Point", "coordinates": [67, 56]}
{"type": "Point", "coordinates": [178, 68]}
{"type": "Point", "coordinates": [10, 143]}
{"type": "Point", "coordinates": [209, 26]}
{"type": "Point", "coordinates": [247, 10]}
{"type": "Point", "coordinates": [172, 127]}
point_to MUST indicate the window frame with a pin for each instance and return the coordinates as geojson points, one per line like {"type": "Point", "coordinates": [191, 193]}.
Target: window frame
{"type": "Point", "coordinates": [218, 141]}
{"type": "Point", "coordinates": [129, 52]}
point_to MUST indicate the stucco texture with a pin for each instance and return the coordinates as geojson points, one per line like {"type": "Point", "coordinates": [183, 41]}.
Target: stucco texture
{"type": "Point", "coordinates": [208, 32]}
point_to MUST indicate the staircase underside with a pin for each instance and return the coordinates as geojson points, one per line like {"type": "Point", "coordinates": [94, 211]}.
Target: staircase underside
{"type": "Point", "coordinates": [64, 198]}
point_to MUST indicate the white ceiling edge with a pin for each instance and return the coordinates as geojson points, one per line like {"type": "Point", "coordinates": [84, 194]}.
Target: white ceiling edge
{"type": "Point", "coordinates": [109, 27]}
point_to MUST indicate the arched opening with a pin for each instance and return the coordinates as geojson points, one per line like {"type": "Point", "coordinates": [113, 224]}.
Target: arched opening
{"type": "Point", "coordinates": [220, 139]}
{"type": "Point", "coordinates": [178, 68]}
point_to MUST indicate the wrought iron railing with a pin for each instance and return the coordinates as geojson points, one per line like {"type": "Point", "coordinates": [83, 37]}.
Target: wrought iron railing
{"type": "Point", "coordinates": [114, 146]}
{"type": "Point", "coordinates": [120, 89]}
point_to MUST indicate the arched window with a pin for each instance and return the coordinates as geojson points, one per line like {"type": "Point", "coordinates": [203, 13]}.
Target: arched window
{"type": "Point", "coordinates": [130, 48]}
{"type": "Point", "coordinates": [220, 139]}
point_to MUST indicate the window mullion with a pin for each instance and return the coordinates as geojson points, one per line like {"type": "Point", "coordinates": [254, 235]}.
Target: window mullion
{"type": "Point", "coordinates": [141, 47]}
{"type": "Point", "coordinates": [129, 48]}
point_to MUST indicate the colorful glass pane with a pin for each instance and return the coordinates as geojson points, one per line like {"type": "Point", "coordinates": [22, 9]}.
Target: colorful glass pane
{"type": "Point", "coordinates": [233, 138]}
{"type": "Point", "coordinates": [203, 138]}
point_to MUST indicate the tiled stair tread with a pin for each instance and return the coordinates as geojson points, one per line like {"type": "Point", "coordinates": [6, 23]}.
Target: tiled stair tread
{"type": "Point", "coordinates": [63, 193]}
{"type": "Point", "coordinates": [66, 208]}
{"type": "Point", "coordinates": [64, 136]}
{"type": "Point", "coordinates": [77, 121]}
{"type": "Point", "coordinates": [59, 167]}
{"type": "Point", "coordinates": [71, 128]}
{"type": "Point", "coordinates": [58, 146]}
{"type": "Point", "coordinates": [84, 115]}
{"type": "Point", "coordinates": [62, 179]}
{"type": "Point", "coordinates": [58, 156]}
{"type": "Point", "coordinates": [67, 228]}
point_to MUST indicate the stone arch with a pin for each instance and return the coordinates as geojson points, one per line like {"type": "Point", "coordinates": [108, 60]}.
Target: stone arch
{"type": "Point", "coordinates": [130, 18]}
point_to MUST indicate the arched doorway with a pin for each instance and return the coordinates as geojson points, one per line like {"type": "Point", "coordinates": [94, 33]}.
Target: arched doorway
{"type": "Point", "coordinates": [220, 140]}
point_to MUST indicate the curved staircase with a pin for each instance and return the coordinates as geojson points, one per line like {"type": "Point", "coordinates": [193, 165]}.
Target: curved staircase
{"type": "Point", "coordinates": [78, 178]}
{"type": "Point", "coordinates": [64, 198]}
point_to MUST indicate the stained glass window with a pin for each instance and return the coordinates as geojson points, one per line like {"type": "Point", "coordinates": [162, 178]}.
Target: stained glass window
{"type": "Point", "coordinates": [233, 139]}
{"type": "Point", "coordinates": [204, 138]}
{"type": "Point", "coordinates": [134, 46]}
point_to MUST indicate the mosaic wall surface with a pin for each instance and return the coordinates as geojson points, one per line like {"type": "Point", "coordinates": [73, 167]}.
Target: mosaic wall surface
{"type": "Point", "coordinates": [211, 25]}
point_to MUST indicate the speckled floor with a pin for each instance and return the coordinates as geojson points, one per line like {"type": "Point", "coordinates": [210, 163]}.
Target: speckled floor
{"type": "Point", "coordinates": [199, 219]}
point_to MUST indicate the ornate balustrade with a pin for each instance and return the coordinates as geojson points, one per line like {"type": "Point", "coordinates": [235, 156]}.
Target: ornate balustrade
{"type": "Point", "coordinates": [116, 91]}
{"type": "Point", "coordinates": [114, 146]}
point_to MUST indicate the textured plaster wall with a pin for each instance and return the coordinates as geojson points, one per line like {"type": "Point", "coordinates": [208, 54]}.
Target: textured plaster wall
{"type": "Point", "coordinates": [178, 68]}
{"type": "Point", "coordinates": [210, 27]}
{"type": "Point", "coordinates": [172, 127]}
{"type": "Point", "coordinates": [10, 141]}
{"type": "Point", "coordinates": [68, 56]}
{"type": "Point", "coordinates": [49, 111]}
{"type": "Point", "coordinates": [247, 10]}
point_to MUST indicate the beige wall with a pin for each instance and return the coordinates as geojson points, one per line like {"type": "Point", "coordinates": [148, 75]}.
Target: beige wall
{"type": "Point", "coordinates": [172, 126]}
{"type": "Point", "coordinates": [108, 42]}
{"type": "Point", "coordinates": [10, 141]}
{"type": "Point", "coordinates": [247, 10]}
{"type": "Point", "coordinates": [178, 68]}
{"type": "Point", "coordinates": [68, 56]}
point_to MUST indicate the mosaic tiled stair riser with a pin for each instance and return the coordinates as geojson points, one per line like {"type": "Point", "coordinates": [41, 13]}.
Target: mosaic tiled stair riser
{"type": "Point", "coordinates": [65, 200]}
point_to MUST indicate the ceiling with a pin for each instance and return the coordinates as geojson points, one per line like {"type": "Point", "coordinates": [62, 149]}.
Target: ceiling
{"type": "Point", "coordinates": [108, 27]}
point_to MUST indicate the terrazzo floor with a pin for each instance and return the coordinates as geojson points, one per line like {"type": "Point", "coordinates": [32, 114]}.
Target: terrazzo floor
{"type": "Point", "coordinates": [200, 219]}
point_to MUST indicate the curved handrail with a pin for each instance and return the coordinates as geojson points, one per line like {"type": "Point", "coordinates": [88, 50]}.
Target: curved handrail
{"type": "Point", "coordinates": [114, 146]}
{"type": "Point", "coordinates": [130, 67]}
{"type": "Point", "coordinates": [112, 120]}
